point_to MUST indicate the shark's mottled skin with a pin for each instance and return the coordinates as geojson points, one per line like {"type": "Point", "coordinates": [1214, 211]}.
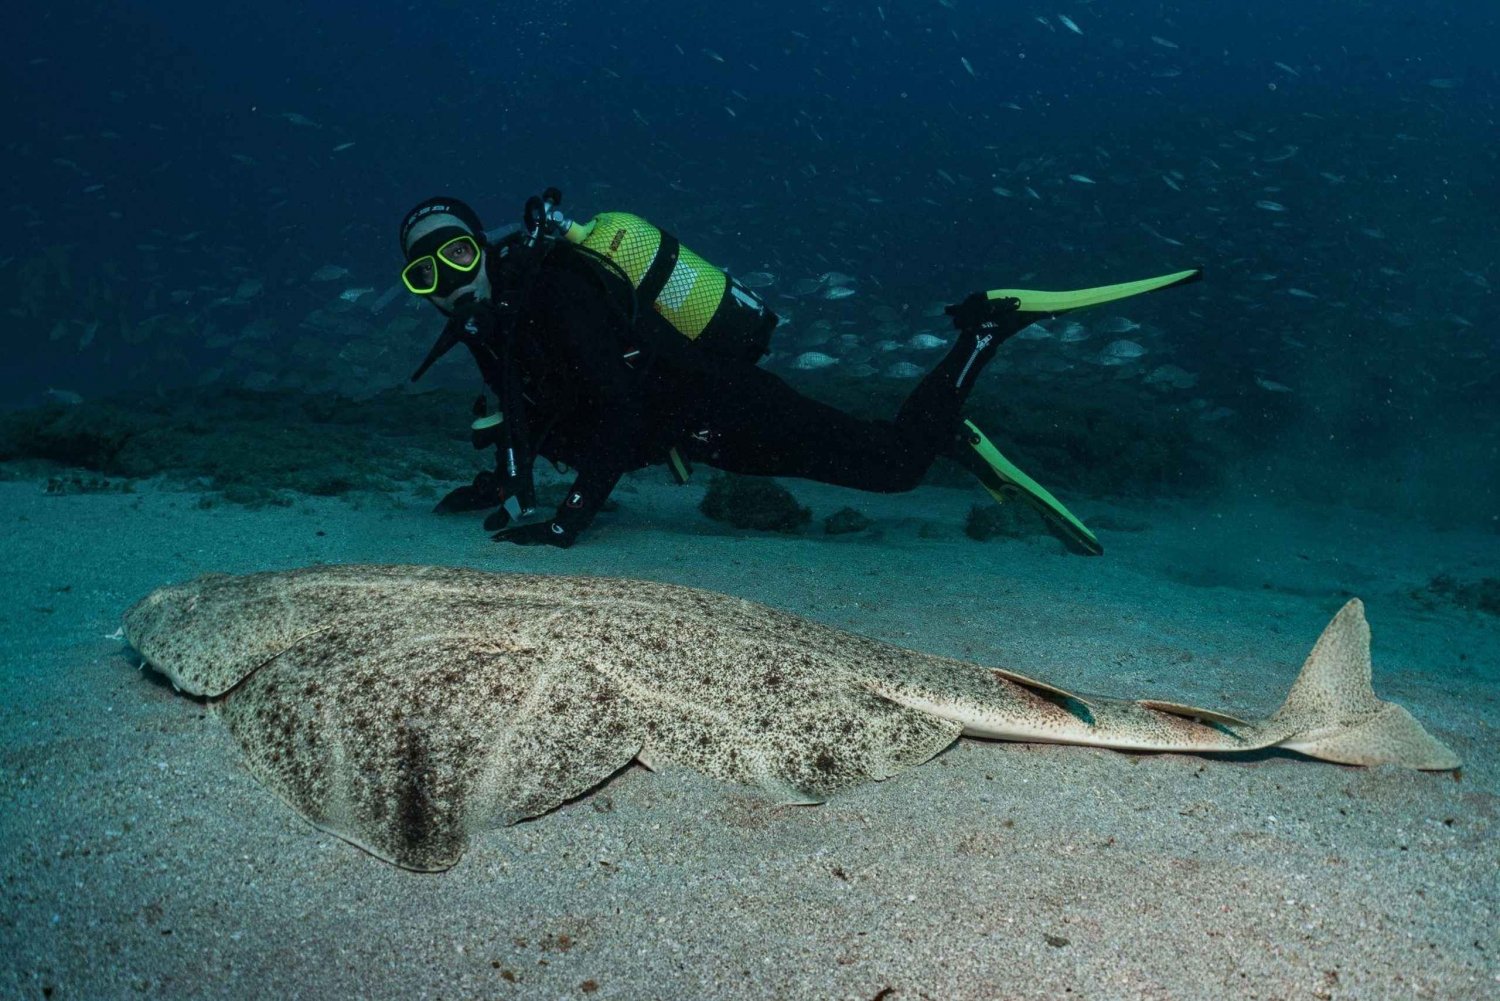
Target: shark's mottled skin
{"type": "Point", "coordinates": [407, 708]}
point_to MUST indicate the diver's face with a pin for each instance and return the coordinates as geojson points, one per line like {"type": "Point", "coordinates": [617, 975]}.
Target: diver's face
{"type": "Point", "coordinates": [445, 265]}
{"type": "Point", "coordinates": [476, 289]}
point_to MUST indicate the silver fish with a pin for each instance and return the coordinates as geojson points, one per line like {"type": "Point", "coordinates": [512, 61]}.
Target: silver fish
{"type": "Point", "coordinates": [757, 279]}
{"type": "Point", "coordinates": [811, 361]}
{"type": "Point", "coordinates": [1072, 332]}
{"type": "Point", "coordinates": [329, 273]}
{"type": "Point", "coordinates": [1119, 325]}
{"type": "Point", "coordinates": [1120, 353]}
{"type": "Point", "coordinates": [1171, 376]}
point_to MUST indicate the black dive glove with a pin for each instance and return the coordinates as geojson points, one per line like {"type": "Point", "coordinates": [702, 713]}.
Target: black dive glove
{"type": "Point", "coordinates": [538, 533]}
{"type": "Point", "coordinates": [980, 314]}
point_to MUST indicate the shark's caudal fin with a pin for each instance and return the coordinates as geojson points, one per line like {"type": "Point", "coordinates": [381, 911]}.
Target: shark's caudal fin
{"type": "Point", "coordinates": [1332, 712]}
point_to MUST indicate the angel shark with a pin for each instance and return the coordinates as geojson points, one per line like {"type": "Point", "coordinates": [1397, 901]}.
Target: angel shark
{"type": "Point", "coordinates": [405, 709]}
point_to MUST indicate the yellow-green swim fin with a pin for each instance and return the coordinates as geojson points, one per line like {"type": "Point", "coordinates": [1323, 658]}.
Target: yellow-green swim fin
{"type": "Point", "coordinates": [1057, 303]}
{"type": "Point", "coordinates": [1003, 479]}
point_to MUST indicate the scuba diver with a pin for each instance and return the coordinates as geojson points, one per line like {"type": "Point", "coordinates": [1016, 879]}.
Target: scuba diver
{"type": "Point", "coordinates": [610, 347]}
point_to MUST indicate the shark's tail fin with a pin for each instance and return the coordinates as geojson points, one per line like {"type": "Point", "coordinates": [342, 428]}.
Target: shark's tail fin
{"type": "Point", "coordinates": [1332, 712]}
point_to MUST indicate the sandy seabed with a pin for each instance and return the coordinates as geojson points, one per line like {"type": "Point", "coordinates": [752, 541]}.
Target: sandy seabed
{"type": "Point", "coordinates": [140, 859]}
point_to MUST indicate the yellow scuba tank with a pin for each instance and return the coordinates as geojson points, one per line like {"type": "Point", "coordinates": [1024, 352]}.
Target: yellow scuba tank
{"type": "Point", "coordinates": [704, 304]}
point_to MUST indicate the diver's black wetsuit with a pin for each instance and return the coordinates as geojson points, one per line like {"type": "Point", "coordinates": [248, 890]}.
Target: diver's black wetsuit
{"type": "Point", "coordinates": [605, 396]}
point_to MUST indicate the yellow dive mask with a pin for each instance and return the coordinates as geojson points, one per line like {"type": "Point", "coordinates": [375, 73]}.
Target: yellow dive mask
{"type": "Point", "coordinates": [423, 276]}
